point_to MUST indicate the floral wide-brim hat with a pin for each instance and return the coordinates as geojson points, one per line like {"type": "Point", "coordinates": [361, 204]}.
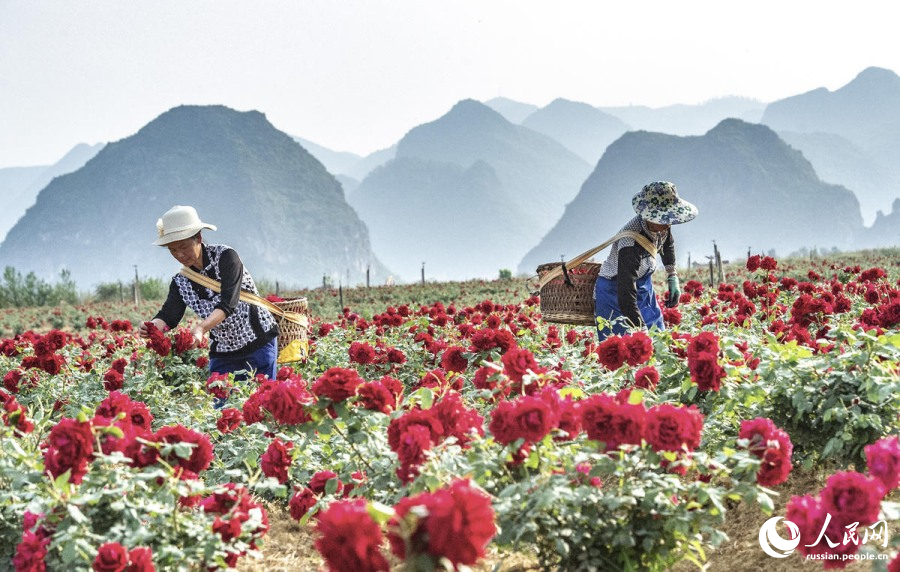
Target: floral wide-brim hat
{"type": "Point", "coordinates": [659, 202]}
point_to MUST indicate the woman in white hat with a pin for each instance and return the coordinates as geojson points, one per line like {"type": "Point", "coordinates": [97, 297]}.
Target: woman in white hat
{"type": "Point", "coordinates": [623, 293]}
{"type": "Point", "coordinates": [243, 337]}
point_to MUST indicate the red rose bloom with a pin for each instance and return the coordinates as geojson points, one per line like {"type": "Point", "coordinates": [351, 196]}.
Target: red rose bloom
{"type": "Point", "coordinates": [113, 380]}
{"type": "Point", "coordinates": [458, 526]}
{"type": "Point", "coordinates": [883, 460]}
{"type": "Point", "coordinates": [287, 401]}
{"type": "Point", "coordinates": [319, 482]}
{"type": "Point", "coordinates": [772, 445]}
{"type": "Point", "coordinates": [337, 384]}
{"type": "Point", "coordinates": [706, 372]}
{"type": "Point", "coordinates": [374, 396]}
{"type": "Point", "coordinates": [229, 420]}
{"type": "Point", "coordinates": [671, 428]}
{"type": "Point", "coordinates": [518, 362]}
{"type": "Point", "coordinates": [348, 538]}
{"type": "Point", "coordinates": [140, 560]}
{"type": "Point", "coordinates": [276, 461]}
{"type": "Point", "coordinates": [302, 502]}
{"type": "Point", "coordinates": [111, 557]}
{"type": "Point", "coordinates": [612, 352]}
{"type": "Point", "coordinates": [31, 552]}
{"type": "Point", "coordinates": [852, 497]}
{"type": "Point", "coordinates": [810, 515]}
{"type": "Point", "coordinates": [201, 452]}
{"type": "Point", "coordinates": [453, 359]}
{"type": "Point", "coordinates": [613, 423]}
{"type": "Point", "coordinates": [646, 377]}
{"type": "Point", "coordinates": [638, 347]}
{"type": "Point", "coordinates": [361, 353]}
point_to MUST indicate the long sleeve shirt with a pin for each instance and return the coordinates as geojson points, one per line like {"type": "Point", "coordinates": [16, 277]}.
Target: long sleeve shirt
{"type": "Point", "coordinates": [628, 262]}
{"type": "Point", "coordinates": [246, 328]}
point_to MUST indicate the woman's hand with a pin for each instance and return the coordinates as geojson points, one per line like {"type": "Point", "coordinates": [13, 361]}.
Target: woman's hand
{"type": "Point", "coordinates": [674, 291]}
{"type": "Point", "coordinates": [144, 331]}
{"type": "Point", "coordinates": [199, 334]}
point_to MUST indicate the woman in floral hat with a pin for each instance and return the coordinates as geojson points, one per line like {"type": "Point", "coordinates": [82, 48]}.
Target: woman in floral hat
{"type": "Point", "coordinates": [243, 336]}
{"type": "Point", "coordinates": [623, 295]}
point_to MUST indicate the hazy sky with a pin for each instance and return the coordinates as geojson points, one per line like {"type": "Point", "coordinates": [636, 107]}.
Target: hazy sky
{"type": "Point", "coordinates": [357, 75]}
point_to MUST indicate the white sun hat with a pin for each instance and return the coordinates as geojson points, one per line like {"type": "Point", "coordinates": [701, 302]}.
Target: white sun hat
{"type": "Point", "coordinates": [178, 223]}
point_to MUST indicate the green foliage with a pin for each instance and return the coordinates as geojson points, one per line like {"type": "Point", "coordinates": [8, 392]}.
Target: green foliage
{"type": "Point", "coordinates": [17, 291]}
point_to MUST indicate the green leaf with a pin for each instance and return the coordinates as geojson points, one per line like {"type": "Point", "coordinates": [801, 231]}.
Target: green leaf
{"type": "Point", "coordinates": [380, 513]}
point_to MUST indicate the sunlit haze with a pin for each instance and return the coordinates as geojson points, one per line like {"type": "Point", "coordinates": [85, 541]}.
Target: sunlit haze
{"type": "Point", "coordinates": [357, 75]}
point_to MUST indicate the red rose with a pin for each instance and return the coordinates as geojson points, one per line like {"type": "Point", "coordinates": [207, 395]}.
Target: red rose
{"type": "Point", "coordinates": [671, 428]}
{"type": "Point", "coordinates": [70, 446]}
{"type": "Point", "coordinates": [111, 557]}
{"type": "Point", "coordinates": [337, 384]}
{"type": "Point", "coordinates": [613, 423]}
{"type": "Point", "coordinates": [426, 418]}
{"type": "Point", "coordinates": [30, 552]}
{"type": "Point", "coordinates": [287, 401]}
{"type": "Point", "coordinates": [276, 461]}
{"type": "Point", "coordinates": [140, 560]}
{"type": "Point", "coordinates": [229, 420]}
{"type": "Point", "coordinates": [883, 460]}
{"type": "Point", "coordinates": [612, 352]}
{"type": "Point", "coordinates": [638, 347]}
{"type": "Point", "coordinates": [458, 420]}
{"type": "Point", "coordinates": [302, 502]}
{"type": "Point", "coordinates": [348, 538]}
{"type": "Point", "coordinates": [810, 515]}
{"type": "Point", "coordinates": [753, 263]}
{"type": "Point", "coordinates": [453, 359]}
{"type": "Point", "coordinates": [772, 445]}
{"type": "Point", "coordinates": [852, 497]}
{"type": "Point", "coordinates": [374, 396]}
{"type": "Point", "coordinates": [706, 371]}
{"type": "Point", "coordinates": [361, 353]}
{"type": "Point", "coordinates": [319, 482]}
{"type": "Point", "coordinates": [113, 380]}
{"type": "Point", "coordinates": [201, 452]}
{"type": "Point", "coordinates": [646, 377]}
{"type": "Point", "coordinates": [518, 362]}
{"type": "Point", "coordinates": [458, 526]}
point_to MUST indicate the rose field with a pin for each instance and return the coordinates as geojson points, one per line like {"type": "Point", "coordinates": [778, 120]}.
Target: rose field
{"type": "Point", "coordinates": [446, 426]}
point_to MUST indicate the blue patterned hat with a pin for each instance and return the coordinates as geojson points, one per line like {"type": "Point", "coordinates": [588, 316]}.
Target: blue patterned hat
{"type": "Point", "coordinates": [659, 202]}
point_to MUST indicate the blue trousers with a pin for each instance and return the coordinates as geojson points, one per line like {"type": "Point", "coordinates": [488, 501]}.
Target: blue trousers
{"type": "Point", "coordinates": [263, 360]}
{"type": "Point", "coordinates": [606, 305]}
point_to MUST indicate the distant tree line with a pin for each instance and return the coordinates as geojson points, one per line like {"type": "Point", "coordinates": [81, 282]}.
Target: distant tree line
{"type": "Point", "coordinates": [25, 291]}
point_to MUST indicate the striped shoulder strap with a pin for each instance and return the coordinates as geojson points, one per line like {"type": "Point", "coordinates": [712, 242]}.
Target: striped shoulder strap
{"type": "Point", "coordinates": [249, 297]}
{"type": "Point", "coordinates": [584, 256]}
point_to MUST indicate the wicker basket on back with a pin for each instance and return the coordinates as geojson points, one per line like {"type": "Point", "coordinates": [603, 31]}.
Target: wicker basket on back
{"type": "Point", "coordinates": [569, 302]}
{"type": "Point", "coordinates": [293, 331]}
{"type": "Point", "coordinates": [567, 288]}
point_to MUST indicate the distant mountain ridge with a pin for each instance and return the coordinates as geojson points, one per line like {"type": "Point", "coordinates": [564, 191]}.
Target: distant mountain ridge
{"type": "Point", "coordinates": [753, 192]}
{"type": "Point", "coordinates": [538, 171]}
{"type": "Point", "coordinates": [580, 127]}
{"type": "Point", "coordinates": [865, 113]}
{"type": "Point", "coordinates": [19, 186]}
{"type": "Point", "coordinates": [459, 221]}
{"type": "Point", "coordinates": [272, 201]}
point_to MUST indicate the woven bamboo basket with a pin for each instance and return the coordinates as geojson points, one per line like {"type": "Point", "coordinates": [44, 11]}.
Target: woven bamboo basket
{"type": "Point", "coordinates": [291, 331]}
{"type": "Point", "coordinates": [569, 302]}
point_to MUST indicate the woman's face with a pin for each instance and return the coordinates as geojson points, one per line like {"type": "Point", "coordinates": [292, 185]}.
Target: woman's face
{"type": "Point", "coordinates": [188, 251]}
{"type": "Point", "coordinates": [655, 227]}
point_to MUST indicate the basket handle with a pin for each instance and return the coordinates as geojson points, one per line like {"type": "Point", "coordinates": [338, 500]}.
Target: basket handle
{"type": "Point", "coordinates": [563, 268]}
{"type": "Point", "coordinates": [249, 297]}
